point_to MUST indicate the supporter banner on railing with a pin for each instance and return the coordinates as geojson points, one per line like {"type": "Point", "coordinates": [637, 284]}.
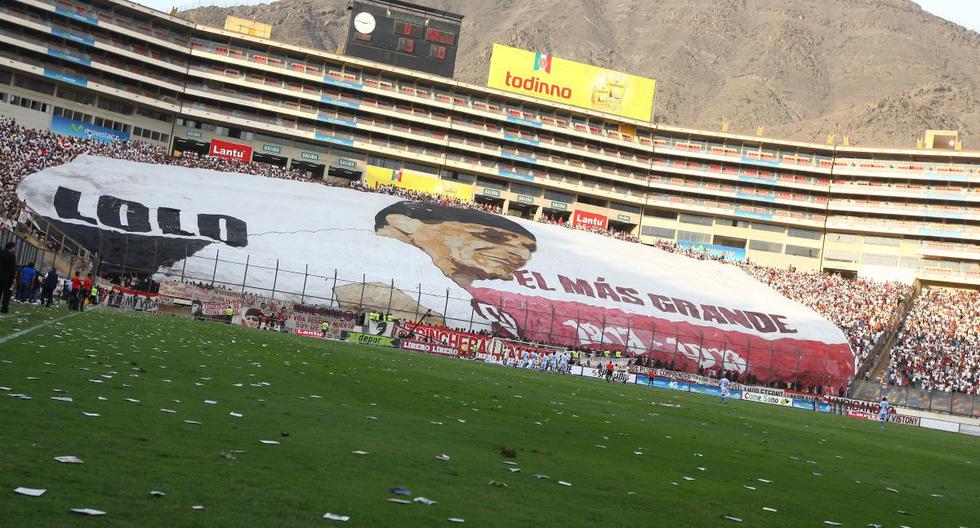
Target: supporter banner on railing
{"type": "Point", "coordinates": [172, 289]}
{"type": "Point", "coordinates": [868, 410]}
{"type": "Point", "coordinates": [477, 343]}
{"type": "Point", "coordinates": [461, 267]}
{"type": "Point", "coordinates": [416, 345]}
{"type": "Point", "coordinates": [133, 300]}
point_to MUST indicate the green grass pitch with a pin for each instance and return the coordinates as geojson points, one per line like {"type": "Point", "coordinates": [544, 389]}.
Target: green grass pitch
{"type": "Point", "coordinates": [624, 453]}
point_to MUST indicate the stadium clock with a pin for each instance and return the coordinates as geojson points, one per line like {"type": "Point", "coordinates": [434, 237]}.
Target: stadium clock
{"type": "Point", "coordinates": [364, 23]}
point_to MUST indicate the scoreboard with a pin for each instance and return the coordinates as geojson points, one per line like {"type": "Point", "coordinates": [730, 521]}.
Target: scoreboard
{"type": "Point", "coordinates": [404, 35]}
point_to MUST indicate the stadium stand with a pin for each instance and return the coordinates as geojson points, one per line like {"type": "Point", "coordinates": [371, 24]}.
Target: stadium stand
{"type": "Point", "coordinates": [939, 346]}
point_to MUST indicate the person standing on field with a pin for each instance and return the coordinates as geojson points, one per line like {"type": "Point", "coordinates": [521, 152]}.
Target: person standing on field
{"type": "Point", "coordinates": [8, 269]}
{"type": "Point", "coordinates": [76, 293]}
{"type": "Point", "coordinates": [724, 383]}
{"type": "Point", "coordinates": [48, 287]}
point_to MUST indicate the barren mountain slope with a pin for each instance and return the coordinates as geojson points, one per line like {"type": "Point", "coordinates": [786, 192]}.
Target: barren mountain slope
{"type": "Point", "coordinates": [881, 71]}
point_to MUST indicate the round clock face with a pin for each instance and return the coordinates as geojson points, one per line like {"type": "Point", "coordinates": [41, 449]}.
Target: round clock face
{"type": "Point", "coordinates": [364, 23]}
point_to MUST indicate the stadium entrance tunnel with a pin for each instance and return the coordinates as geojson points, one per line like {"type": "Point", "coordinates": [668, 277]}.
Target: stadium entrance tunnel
{"type": "Point", "coordinates": [269, 159]}
{"type": "Point", "coordinates": [556, 215]}
{"type": "Point", "coordinates": [315, 170]}
{"type": "Point", "coordinates": [489, 200]}
{"type": "Point", "coordinates": [347, 174]}
{"type": "Point", "coordinates": [522, 210]}
{"type": "Point", "coordinates": [621, 227]}
{"type": "Point", "coordinates": [189, 145]}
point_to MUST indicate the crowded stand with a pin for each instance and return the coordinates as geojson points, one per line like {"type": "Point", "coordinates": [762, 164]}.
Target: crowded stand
{"type": "Point", "coordinates": [861, 308]}
{"type": "Point", "coordinates": [939, 346]}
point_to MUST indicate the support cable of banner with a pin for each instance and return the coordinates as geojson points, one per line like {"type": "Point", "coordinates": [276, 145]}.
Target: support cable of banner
{"type": "Point", "coordinates": [416, 325]}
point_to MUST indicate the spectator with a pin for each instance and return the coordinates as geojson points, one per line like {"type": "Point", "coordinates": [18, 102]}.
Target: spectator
{"type": "Point", "coordinates": [939, 345]}
{"type": "Point", "coordinates": [8, 269]}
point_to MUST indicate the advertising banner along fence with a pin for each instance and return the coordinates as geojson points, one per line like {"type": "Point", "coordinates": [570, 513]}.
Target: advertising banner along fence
{"type": "Point", "coordinates": [464, 268]}
{"type": "Point", "coordinates": [563, 81]}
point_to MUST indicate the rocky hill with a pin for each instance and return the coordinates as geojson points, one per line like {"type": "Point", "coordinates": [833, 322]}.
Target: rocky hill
{"type": "Point", "coordinates": [880, 71]}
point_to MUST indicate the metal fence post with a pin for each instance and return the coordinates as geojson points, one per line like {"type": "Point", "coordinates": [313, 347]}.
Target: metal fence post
{"type": "Point", "coordinates": [418, 304]}
{"type": "Point", "coordinates": [445, 311]}
{"type": "Point", "coordinates": [391, 293]}
{"type": "Point", "coordinates": [332, 290]}
{"type": "Point", "coordinates": [360, 304]}
{"type": "Point", "coordinates": [551, 326]}
{"type": "Point", "coordinates": [275, 279]}
{"type": "Point", "coordinates": [306, 275]}
{"type": "Point", "coordinates": [245, 275]}
{"type": "Point", "coordinates": [125, 255]}
{"type": "Point", "coordinates": [214, 273]}
{"type": "Point", "coordinates": [183, 268]}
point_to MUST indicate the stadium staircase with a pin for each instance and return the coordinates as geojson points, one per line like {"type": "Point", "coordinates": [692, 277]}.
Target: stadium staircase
{"type": "Point", "coordinates": [875, 366]}
{"type": "Point", "coordinates": [45, 245]}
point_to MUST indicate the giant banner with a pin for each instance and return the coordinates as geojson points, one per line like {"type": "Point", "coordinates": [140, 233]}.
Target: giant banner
{"type": "Point", "coordinates": [563, 81]}
{"type": "Point", "coordinates": [523, 280]}
{"type": "Point", "coordinates": [416, 181]}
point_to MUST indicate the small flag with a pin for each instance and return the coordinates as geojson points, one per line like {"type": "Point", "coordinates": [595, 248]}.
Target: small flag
{"type": "Point", "coordinates": [542, 62]}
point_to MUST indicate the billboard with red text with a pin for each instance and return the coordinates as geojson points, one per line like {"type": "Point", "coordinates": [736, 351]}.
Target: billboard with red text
{"type": "Point", "coordinates": [231, 151]}
{"type": "Point", "coordinates": [593, 221]}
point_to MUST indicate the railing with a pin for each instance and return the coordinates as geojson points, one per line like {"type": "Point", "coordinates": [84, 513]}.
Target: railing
{"type": "Point", "coordinates": [923, 400]}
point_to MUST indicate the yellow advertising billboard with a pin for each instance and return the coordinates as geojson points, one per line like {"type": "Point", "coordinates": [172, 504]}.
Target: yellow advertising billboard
{"type": "Point", "coordinates": [564, 81]}
{"type": "Point", "coordinates": [416, 181]}
{"type": "Point", "coordinates": [248, 27]}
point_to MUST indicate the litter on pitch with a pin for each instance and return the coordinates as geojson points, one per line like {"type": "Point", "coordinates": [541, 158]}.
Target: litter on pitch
{"type": "Point", "coordinates": [88, 511]}
{"type": "Point", "coordinates": [335, 517]}
{"type": "Point", "coordinates": [269, 442]}
{"type": "Point", "coordinates": [69, 459]}
{"type": "Point", "coordinates": [30, 492]}
{"type": "Point", "coordinates": [444, 457]}
{"type": "Point", "coordinates": [425, 501]}
{"type": "Point", "coordinates": [91, 415]}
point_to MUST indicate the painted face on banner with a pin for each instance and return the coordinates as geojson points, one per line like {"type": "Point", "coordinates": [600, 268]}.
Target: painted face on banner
{"type": "Point", "coordinates": [466, 251]}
